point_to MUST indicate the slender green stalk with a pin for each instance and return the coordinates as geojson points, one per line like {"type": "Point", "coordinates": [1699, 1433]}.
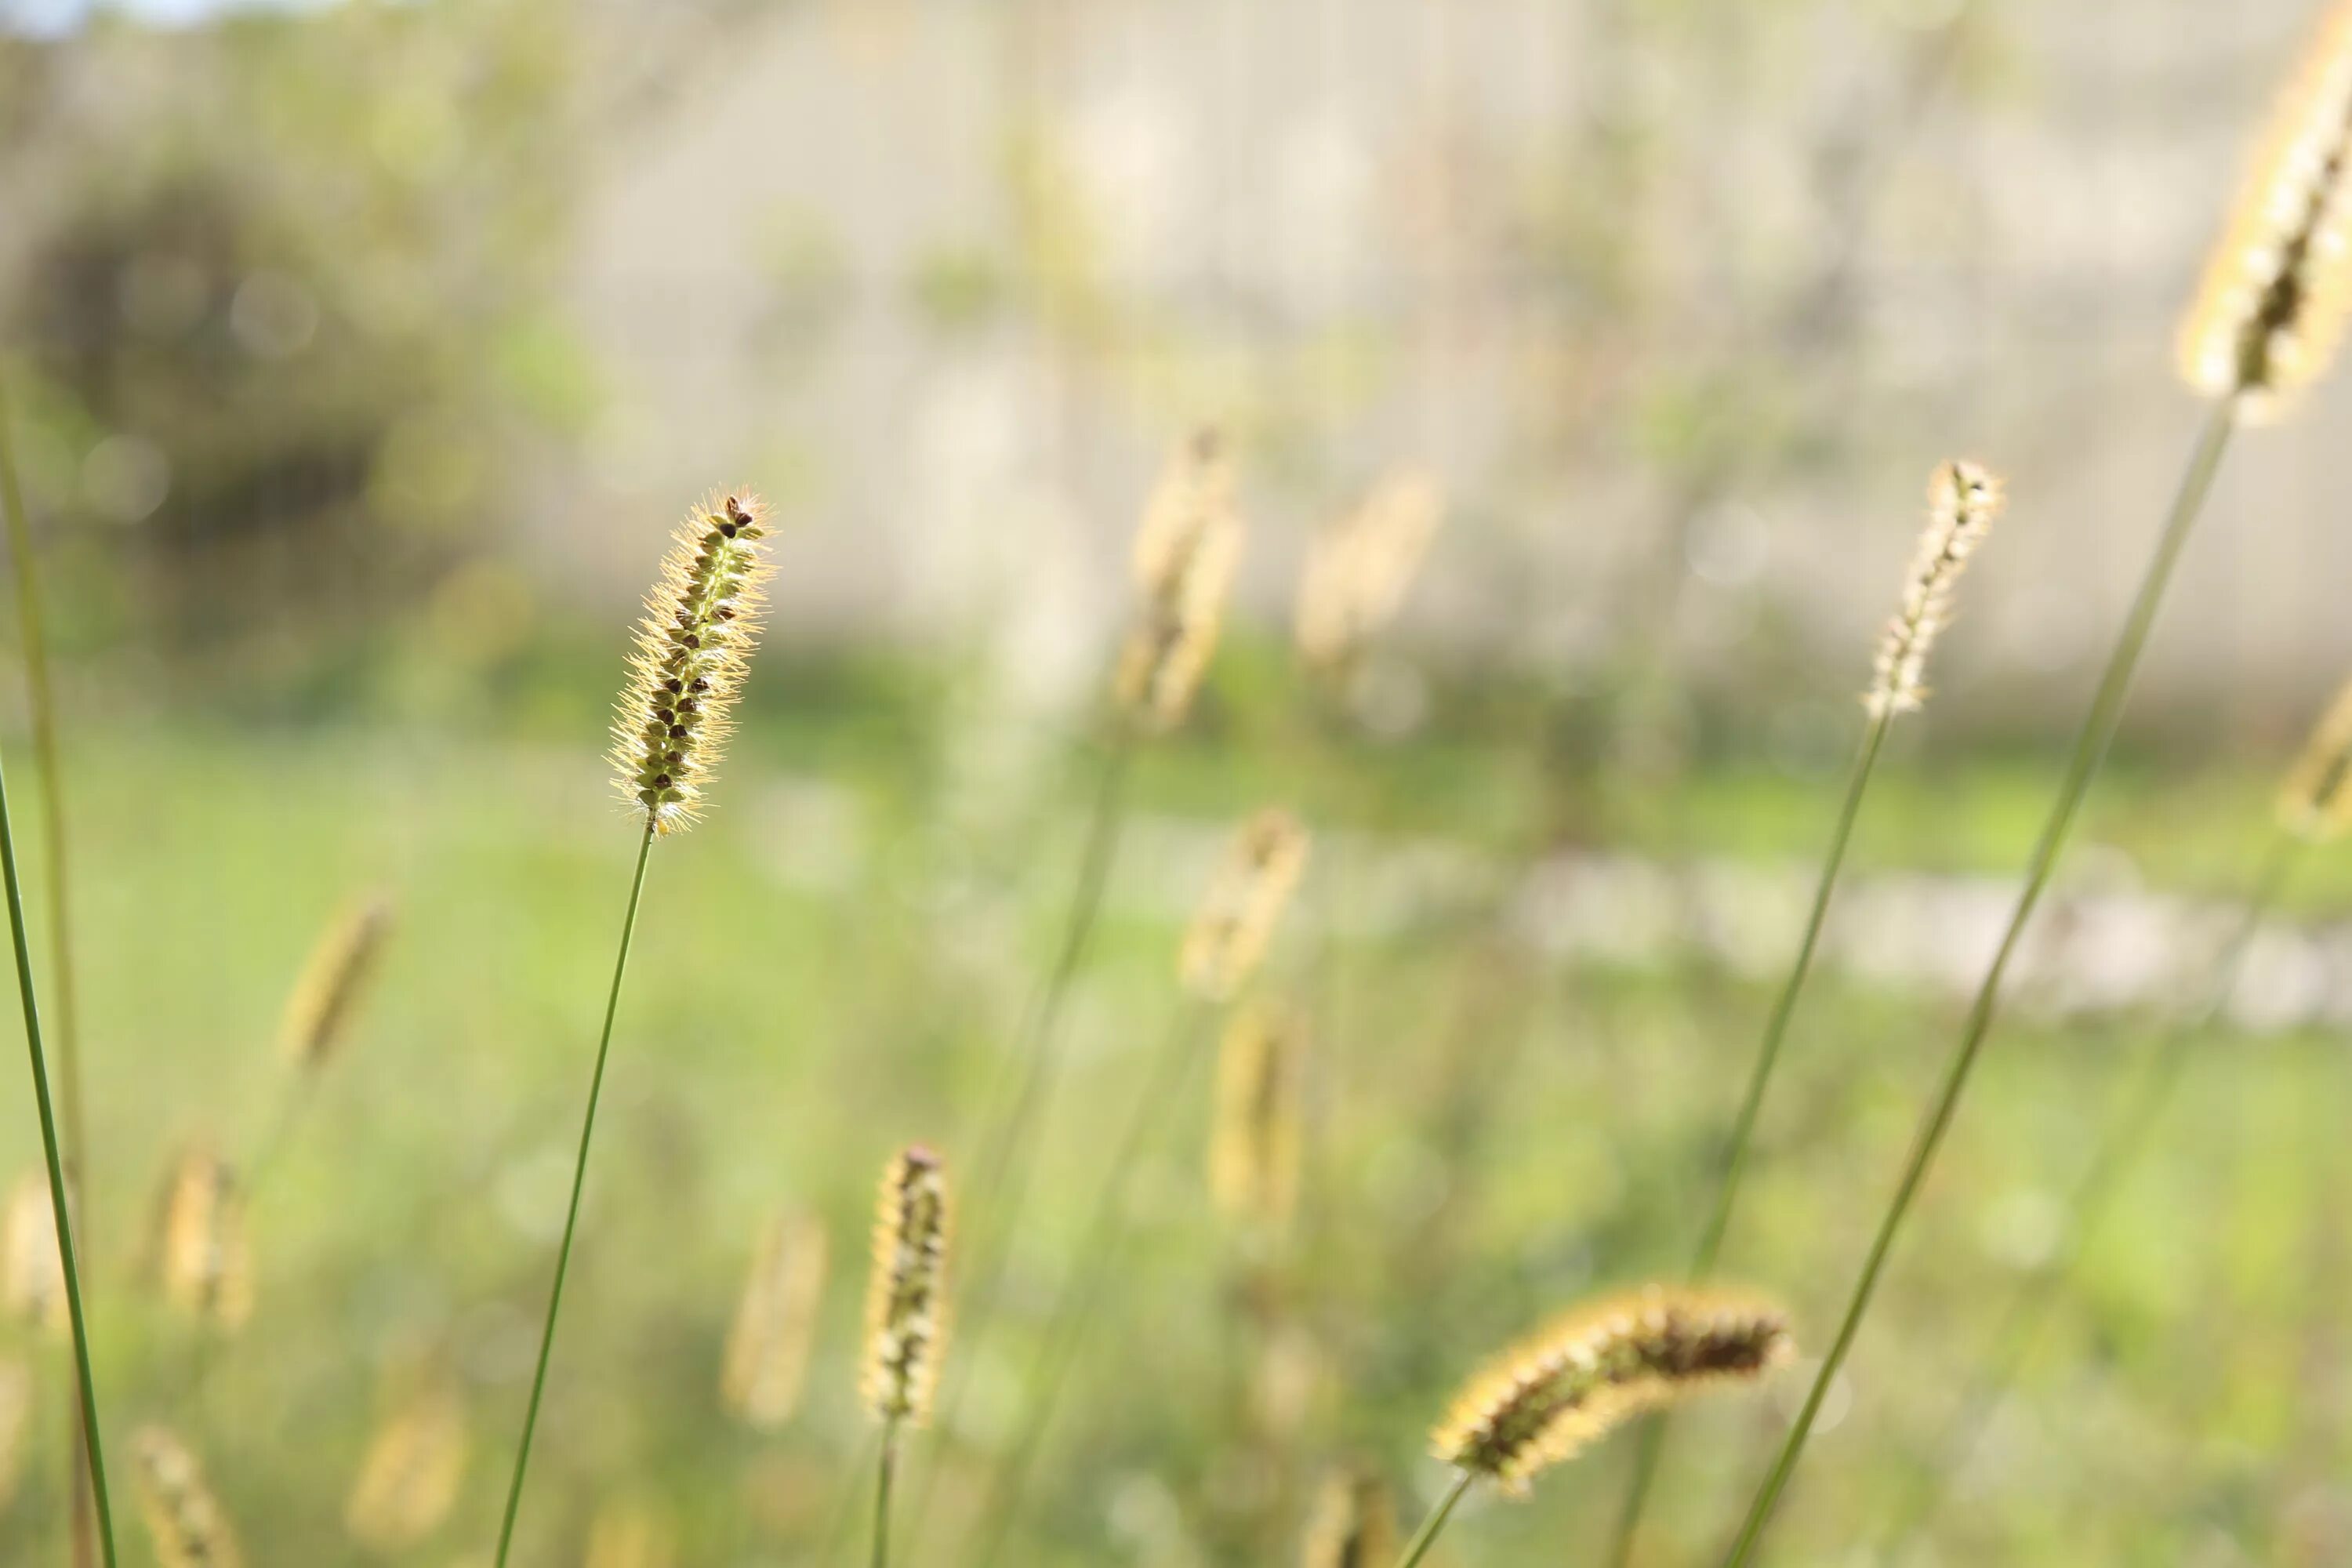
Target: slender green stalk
{"type": "Point", "coordinates": [2090, 749]}
{"type": "Point", "coordinates": [1098, 1249]}
{"type": "Point", "coordinates": [1001, 1170]}
{"type": "Point", "coordinates": [1417, 1547]}
{"type": "Point", "coordinates": [2118, 1151]}
{"type": "Point", "coordinates": [61, 1208]}
{"type": "Point", "coordinates": [1743, 1127]}
{"type": "Point", "coordinates": [571, 1215]}
{"type": "Point", "coordinates": [888, 1463]}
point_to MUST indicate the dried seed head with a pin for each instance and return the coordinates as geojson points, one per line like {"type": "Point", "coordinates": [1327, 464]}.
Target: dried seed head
{"type": "Point", "coordinates": [1186, 552]}
{"type": "Point", "coordinates": [701, 623]}
{"type": "Point", "coordinates": [1254, 1138]}
{"type": "Point", "coordinates": [1962, 501]}
{"type": "Point", "coordinates": [1354, 1522]}
{"type": "Point", "coordinates": [2315, 803]}
{"type": "Point", "coordinates": [1543, 1400]}
{"type": "Point", "coordinates": [203, 1257]}
{"type": "Point", "coordinates": [2270, 312]}
{"type": "Point", "coordinates": [33, 1283]}
{"type": "Point", "coordinates": [416, 1464]}
{"type": "Point", "coordinates": [1235, 921]}
{"type": "Point", "coordinates": [15, 1426]}
{"type": "Point", "coordinates": [775, 1323]}
{"type": "Point", "coordinates": [906, 1298]}
{"type": "Point", "coordinates": [1359, 570]}
{"type": "Point", "coordinates": [632, 1534]}
{"type": "Point", "coordinates": [319, 1010]}
{"type": "Point", "coordinates": [182, 1514]}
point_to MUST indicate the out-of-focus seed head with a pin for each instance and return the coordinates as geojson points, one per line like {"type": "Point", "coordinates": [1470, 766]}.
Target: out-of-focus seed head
{"type": "Point", "coordinates": [319, 1011]}
{"type": "Point", "coordinates": [906, 1299]}
{"type": "Point", "coordinates": [183, 1516]}
{"type": "Point", "coordinates": [413, 1468]}
{"type": "Point", "coordinates": [34, 1281]}
{"type": "Point", "coordinates": [775, 1323]}
{"type": "Point", "coordinates": [15, 1426]}
{"type": "Point", "coordinates": [203, 1256]}
{"type": "Point", "coordinates": [1962, 501]}
{"type": "Point", "coordinates": [1354, 1522]}
{"type": "Point", "coordinates": [2316, 802]}
{"type": "Point", "coordinates": [1235, 922]}
{"type": "Point", "coordinates": [1254, 1138]}
{"type": "Point", "coordinates": [1359, 570]}
{"type": "Point", "coordinates": [632, 1533]}
{"type": "Point", "coordinates": [1186, 553]}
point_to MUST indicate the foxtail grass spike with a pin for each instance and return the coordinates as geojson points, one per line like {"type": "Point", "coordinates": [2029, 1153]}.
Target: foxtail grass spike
{"type": "Point", "coordinates": [1962, 501]}
{"type": "Point", "coordinates": [2315, 803]}
{"type": "Point", "coordinates": [182, 1515]}
{"type": "Point", "coordinates": [906, 1300]}
{"type": "Point", "coordinates": [1359, 571]}
{"type": "Point", "coordinates": [15, 1426]}
{"type": "Point", "coordinates": [2269, 318]}
{"type": "Point", "coordinates": [319, 1008]}
{"type": "Point", "coordinates": [1354, 1522]}
{"type": "Point", "coordinates": [1549, 1397]}
{"type": "Point", "coordinates": [1254, 1140]}
{"type": "Point", "coordinates": [204, 1254]}
{"type": "Point", "coordinates": [1186, 553]}
{"type": "Point", "coordinates": [1244, 903]}
{"type": "Point", "coordinates": [701, 623]}
{"type": "Point", "coordinates": [775, 1323]}
{"type": "Point", "coordinates": [414, 1467]}
{"type": "Point", "coordinates": [31, 1280]}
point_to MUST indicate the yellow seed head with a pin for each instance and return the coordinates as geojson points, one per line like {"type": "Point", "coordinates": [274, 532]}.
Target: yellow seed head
{"type": "Point", "coordinates": [33, 1283]}
{"type": "Point", "coordinates": [182, 1514]}
{"type": "Point", "coordinates": [631, 1534]}
{"type": "Point", "coordinates": [701, 623]}
{"type": "Point", "coordinates": [2270, 313]}
{"type": "Point", "coordinates": [1254, 1137]}
{"type": "Point", "coordinates": [1962, 501]}
{"type": "Point", "coordinates": [1545, 1399]}
{"type": "Point", "coordinates": [1354, 1522]}
{"type": "Point", "coordinates": [409, 1480]}
{"type": "Point", "coordinates": [2315, 803]}
{"type": "Point", "coordinates": [1234, 924]}
{"type": "Point", "coordinates": [906, 1299]}
{"type": "Point", "coordinates": [203, 1257]}
{"type": "Point", "coordinates": [319, 1010]}
{"type": "Point", "coordinates": [1186, 552]}
{"type": "Point", "coordinates": [775, 1323]}
{"type": "Point", "coordinates": [1359, 570]}
{"type": "Point", "coordinates": [15, 1426]}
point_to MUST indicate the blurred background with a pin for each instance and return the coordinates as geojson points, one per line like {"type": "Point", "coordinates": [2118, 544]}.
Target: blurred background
{"type": "Point", "coordinates": [361, 355]}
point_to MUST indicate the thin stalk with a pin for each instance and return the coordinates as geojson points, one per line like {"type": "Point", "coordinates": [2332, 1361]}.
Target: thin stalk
{"type": "Point", "coordinates": [1001, 1170]}
{"type": "Point", "coordinates": [571, 1215]}
{"type": "Point", "coordinates": [888, 1463]}
{"type": "Point", "coordinates": [1417, 1547]}
{"type": "Point", "coordinates": [2090, 749]}
{"type": "Point", "coordinates": [41, 703]}
{"type": "Point", "coordinates": [1743, 1127]}
{"type": "Point", "coordinates": [1098, 1248]}
{"type": "Point", "coordinates": [2126, 1138]}
{"type": "Point", "coordinates": [61, 1208]}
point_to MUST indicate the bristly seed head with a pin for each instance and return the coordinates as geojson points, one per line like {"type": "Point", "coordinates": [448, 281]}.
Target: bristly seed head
{"type": "Point", "coordinates": [319, 1008]}
{"type": "Point", "coordinates": [1545, 1399]}
{"type": "Point", "coordinates": [182, 1514]}
{"type": "Point", "coordinates": [2316, 802]}
{"type": "Point", "coordinates": [1962, 501]}
{"type": "Point", "coordinates": [701, 623]}
{"type": "Point", "coordinates": [906, 1299]}
{"type": "Point", "coordinates": [203, 1253]}
{"type": "Point", "coordinates": [1357, 570]}
{"type": "Point", "coordinates": [1186, 551]}
{"type": "Point", "coordinates": [2270, 315]}
{"type": "Point", "coordinates": [1254, 1140]}
{"type": "Point", "coordinates": [1235, 921]}
{"type": "Point", "coordinates": [775, 1323]}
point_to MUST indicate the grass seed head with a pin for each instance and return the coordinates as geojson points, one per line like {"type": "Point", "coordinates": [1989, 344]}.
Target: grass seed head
{"type": "Point", "coordinates": [632, 1533]}
{"type": "Point", "coordinates": [182, 1514]}
{"type": "Point", "coordinates": [414, 1467]}
{"type": "Point", "coordinates": [1354, 1522]}
{"type": "Point", "coordinates": [1244, 902]}
{"type": "Point", "coordinates": [2315, 803]}
{"type": "Point", "coordinates": [1359, 570]}
{"type": "Point", "coordinates": [701, 623]}
{"type": "Point", "coordinates": [1545, 1399]}
{"type": "Point", "coordinates": [2270, 315]}
{"type": "Point", "coordinates": [318, 1011]}
{"type": "Point", "coordinates": [33, 1280]}
{"type": "Point", "coordinates": [775, 1323]}
{"type": "Point", "coordinates": [1186, 552]}
{"type": "Point", "coordinates": [1962, 501]}
{"type": "Point", "coordinates": [1254, 1140]}
{"type": "Point", "coordinates": [905, 1299]}
{"type": "Point", "coordinates": [15, 1426]}
{"type": "Point", "coordinates": [203, 1256]}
